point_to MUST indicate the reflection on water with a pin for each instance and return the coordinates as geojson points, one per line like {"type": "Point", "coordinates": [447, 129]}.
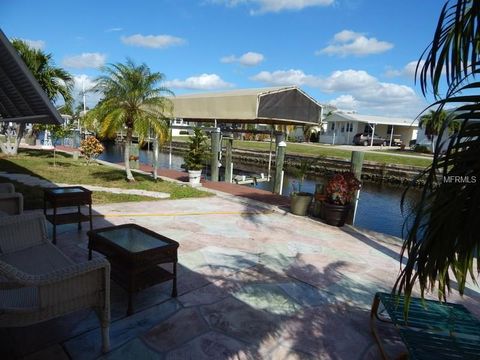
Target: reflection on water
{"type": "Point", "coordinates": [114, 153]}
{"type": "Point", "coordinates": [378, 208]}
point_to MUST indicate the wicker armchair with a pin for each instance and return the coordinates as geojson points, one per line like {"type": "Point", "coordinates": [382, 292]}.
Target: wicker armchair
{"type": "Point", "coordinates": [11, 202]}
{"type": "Point", "coordinates": [38, 282]}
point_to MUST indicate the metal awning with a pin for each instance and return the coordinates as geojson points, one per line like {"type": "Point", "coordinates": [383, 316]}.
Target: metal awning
{"type": "Point", "coordinates": [21, 97]}
{"type": "Point", "coordinates": [278, 105]}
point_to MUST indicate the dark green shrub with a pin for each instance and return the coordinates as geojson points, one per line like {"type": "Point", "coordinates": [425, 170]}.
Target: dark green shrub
{"type": "Point", "coordinates": [197, 150]}
{"type": "Point", "coordinates": [424, 149]}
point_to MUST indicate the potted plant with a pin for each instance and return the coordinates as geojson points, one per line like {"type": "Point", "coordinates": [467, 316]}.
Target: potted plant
{"type": "Point", "coordinates": [339, 194]}
{"type": "Point", "coordinates": [300, 201]}
{"type": "Point", "coordinates": [197, 152]}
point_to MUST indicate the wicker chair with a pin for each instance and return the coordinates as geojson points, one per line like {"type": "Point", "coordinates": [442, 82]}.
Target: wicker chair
{"type": "Point", "coordinates": [38, 282]}
{"type": "Point", "coordinates": [11, 202]}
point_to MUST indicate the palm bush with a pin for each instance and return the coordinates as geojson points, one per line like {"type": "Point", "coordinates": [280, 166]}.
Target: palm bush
{"type": "Point", "coordinates": [132, 100]}
{"type": "Point", "coordinates": [443, 238]}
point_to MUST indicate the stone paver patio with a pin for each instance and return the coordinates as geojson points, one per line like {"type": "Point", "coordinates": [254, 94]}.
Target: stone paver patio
{"type": "Point", "coordinates": [253, 284]}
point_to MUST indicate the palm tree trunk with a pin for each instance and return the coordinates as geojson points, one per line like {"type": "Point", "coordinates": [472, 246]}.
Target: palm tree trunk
{"type": "Point", "coordinates": [20, 130]}
{"type": "Point", "coordinates": [128, 144]}
{"type": "Point", "coordinates": [10, 147]}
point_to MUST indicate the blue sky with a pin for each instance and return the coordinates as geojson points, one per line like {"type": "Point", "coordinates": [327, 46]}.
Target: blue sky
{"type": "Point", "coordinates": [355, 54]}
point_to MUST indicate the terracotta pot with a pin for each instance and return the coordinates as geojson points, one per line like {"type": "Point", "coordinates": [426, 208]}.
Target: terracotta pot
{"type": "Point", "coordinates": [335, 215]}
{"type": "Point", "coordinates": [300, 202]}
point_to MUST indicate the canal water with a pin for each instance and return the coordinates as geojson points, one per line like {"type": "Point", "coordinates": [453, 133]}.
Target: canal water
{"type": "Point", "coordinates": [378, 207]}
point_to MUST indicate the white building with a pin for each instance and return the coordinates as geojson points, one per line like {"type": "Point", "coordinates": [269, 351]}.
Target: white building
{"type": "Point", "coordinates": [342, 127]}
{"type": "Point", "coordinates": [181, 128]}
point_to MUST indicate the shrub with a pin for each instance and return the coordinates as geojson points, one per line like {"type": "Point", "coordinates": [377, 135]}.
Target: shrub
{"type": "Point", "coordinates": [197, 150]}
{"type": "Point", "coordinates": [424, 149]}
{"type": "Point", "coordinates": [91, 148]}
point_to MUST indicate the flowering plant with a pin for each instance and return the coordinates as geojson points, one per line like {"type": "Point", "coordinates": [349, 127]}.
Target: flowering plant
{"type": "Point", "coordinates": [341, 188]}
{"type": "Point", "coordinates": [91, 148]}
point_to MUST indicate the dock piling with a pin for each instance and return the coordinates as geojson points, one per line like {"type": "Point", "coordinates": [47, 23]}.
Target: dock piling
{"type": "Point", "coordinates": [279, 160]}
{"type": "Point", "coordinates": [356, 168]}
{"type": "Point", "coordinates": [215, 154]}
{"type": "Point", "coordinates": [228, 159]}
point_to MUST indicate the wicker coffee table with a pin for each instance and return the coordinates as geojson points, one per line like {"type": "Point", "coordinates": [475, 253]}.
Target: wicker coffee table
{"type": "Point", "coordinates": [135, 253]}
{"type": "Point", "coordinates": [68, 196]}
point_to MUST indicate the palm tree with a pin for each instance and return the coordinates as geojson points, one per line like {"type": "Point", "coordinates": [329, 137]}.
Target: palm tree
{"type": "Point", "coordinates": [308, 131]}
{"type": "Point", "coordinates": [56, 82]}
{"type": "Point", "coordinates": [286, 129]}
{"type": "Point", "coordinates": [132, 100]}
{"type": "Point", "coordinates": [433, 121]}
{"type": "Point", "coordinates": [442, 238]}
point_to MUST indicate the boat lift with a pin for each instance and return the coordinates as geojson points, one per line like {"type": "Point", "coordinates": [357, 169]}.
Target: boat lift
{"type": "Point", "coordinates": [237, 179]}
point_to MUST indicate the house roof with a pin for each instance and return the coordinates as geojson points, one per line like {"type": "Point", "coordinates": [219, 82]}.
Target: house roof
{"type": "Point", "coordinates": [275, 105]}
{"type": "Point", "coordinates": [370, 119]}
{"type": "Point", "coordinates": [21, 97]}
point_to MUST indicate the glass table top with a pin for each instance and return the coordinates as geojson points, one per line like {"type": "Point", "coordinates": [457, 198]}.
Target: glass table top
{"type": "Point", "coordinates": [132, 239]}
{"type": "Point", "coordinates": [66, 190]}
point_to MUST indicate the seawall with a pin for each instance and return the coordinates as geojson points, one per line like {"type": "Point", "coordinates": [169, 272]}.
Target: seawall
{"type": "Point", "coordinates": [372, 171]}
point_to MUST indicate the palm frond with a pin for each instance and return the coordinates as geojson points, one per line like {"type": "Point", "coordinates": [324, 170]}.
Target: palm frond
{"type": "Point", "coordinates": [454, 48]}
{"type": "Point", "coordinates": [442, 239]}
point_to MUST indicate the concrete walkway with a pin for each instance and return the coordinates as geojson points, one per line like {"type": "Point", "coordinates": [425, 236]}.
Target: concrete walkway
{"type": "Point", "coordinates": [253, 284]}
{"type": "Point", "coordinates": [243, 191]}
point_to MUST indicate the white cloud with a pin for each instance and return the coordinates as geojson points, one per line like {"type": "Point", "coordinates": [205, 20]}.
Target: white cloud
{"type": "Point", "coordinates": [348, 42]}
{"type": "Point", "coordinates": [85, 60]}
{"type": "Point", "coordinates": [265, 6]}
{"type": "Point", "coordinates": [229, 59]}
{"type": "Point", "coordinates": [200, 82]}
{"type": "Point", "coordinates": [365, 87]}
{"type": "Point", "coordinates": [36, 44]}
{"type": "Point", "coordinates": [248, 59]}
{"type": "Point", "coordinates": [352, 89]}
{"type": "Point", "coordinates": [91, 98]}
{"type": "Point", "coordinates": [344, 102]}
{"type": "Point", "coordinates": [407, 71]}
{"type": "Point", "coordinates": [114, 29]}
{"type": "Point", "coordinates": [347, 80]}
{"type": "Point", "coordinates": [287, 77]}
{"type": "Point", "coordinates": [153, 41]}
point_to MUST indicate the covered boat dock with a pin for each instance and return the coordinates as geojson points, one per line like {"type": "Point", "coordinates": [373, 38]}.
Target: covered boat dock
{"type": "Point", "coordinates": [275, 107]}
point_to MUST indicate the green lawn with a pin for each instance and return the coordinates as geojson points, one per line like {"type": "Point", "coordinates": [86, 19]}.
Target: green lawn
{"type": "Point", "coordinates": [328, 151]}
{"type": "Point", "coordinates": [40, 164]}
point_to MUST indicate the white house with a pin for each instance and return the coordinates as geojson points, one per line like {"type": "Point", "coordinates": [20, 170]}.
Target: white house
{"type": "Point", "coordinates": [342, 127]}
{"type": "Point", "coordinates": [181, 128]}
